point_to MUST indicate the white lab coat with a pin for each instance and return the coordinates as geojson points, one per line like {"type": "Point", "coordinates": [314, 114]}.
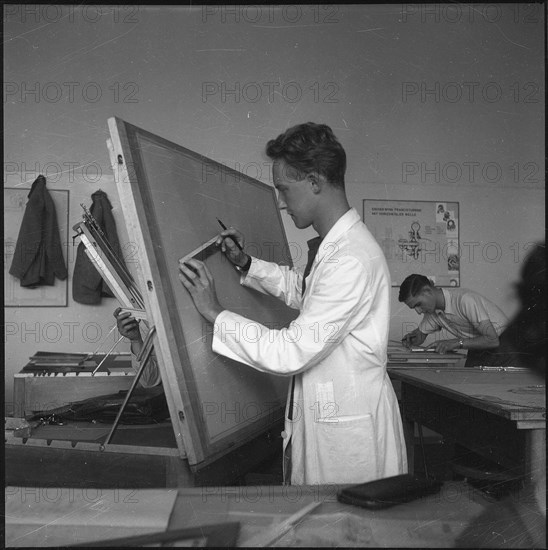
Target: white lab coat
{"type": "Point", "coordinates": [346, 425]}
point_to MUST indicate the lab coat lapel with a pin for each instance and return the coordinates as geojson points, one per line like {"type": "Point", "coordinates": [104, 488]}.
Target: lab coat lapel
{"type": "Point", "coordinates": [330, 243]}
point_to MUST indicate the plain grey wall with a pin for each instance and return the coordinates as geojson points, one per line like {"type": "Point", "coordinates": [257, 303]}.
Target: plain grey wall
{"type": "Point", "coordinates": [415, 92]}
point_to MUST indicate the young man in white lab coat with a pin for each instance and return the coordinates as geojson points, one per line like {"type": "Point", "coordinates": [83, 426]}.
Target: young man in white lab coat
{"type": "Point", "coordinates": [343, 423]}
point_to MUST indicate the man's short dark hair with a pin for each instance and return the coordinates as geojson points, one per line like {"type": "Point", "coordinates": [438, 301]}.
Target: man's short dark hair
{"type": "Point", "coordinates": [311, 147]}
{"type": "Point", "coordinates": [413, 285]}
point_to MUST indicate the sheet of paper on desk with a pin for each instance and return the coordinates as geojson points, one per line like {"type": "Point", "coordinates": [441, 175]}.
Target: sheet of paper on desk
{"type": "Point", "coordinates": [52, 516]}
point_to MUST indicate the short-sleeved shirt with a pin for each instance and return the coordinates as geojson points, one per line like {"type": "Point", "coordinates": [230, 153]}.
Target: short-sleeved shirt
{"type": "Point", "coordinates": [464, 311]}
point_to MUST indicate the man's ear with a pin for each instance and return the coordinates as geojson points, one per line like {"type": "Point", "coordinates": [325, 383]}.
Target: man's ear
{"type": "Point", "coordinates": [427, 291]}
{"type": "Point", "coordinates": [316, 181]}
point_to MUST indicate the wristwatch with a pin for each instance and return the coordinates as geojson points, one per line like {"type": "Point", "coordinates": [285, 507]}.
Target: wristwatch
{"type": "Point", "coordinates": [461, 344]}
{"type": "Point", "coordinates": [245, 267]}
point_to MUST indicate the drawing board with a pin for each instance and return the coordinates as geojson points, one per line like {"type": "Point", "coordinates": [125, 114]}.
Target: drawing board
{"type": "Point", "coordinates": [171, 199]}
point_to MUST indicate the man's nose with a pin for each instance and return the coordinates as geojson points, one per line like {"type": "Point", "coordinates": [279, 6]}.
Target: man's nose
{"type": "Point", "coordinates": [281, 204]}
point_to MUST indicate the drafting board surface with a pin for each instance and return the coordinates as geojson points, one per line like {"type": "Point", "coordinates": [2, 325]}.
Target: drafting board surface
{"type": "Point", "coordinates": [171, 199]}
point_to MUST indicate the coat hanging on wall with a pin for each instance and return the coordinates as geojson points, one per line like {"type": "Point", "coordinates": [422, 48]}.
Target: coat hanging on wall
{"type": "Point", "coordinates": [88, 287]}
{"type": "Point", "coordinates": [38, 256]}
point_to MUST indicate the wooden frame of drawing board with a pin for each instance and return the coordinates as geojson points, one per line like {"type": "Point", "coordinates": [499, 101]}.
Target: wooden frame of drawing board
{"type": "Point", "coordinates": [171, 198]}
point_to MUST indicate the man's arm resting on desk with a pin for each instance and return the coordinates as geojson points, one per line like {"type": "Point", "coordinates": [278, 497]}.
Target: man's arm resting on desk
{"type": "Point", "coordinates": [488, 339]}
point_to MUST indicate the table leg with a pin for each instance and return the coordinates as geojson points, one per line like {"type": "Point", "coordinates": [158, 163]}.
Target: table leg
{"type": "Point", "coordinates": [409, 436]}
{"type": "Point", "coordinates": [408, 429]}
{"type": "Point", "coordinates": [535, 454]}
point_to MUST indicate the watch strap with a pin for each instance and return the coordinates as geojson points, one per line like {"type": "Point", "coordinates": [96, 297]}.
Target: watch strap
{"type": "Point", "coordinates": [245, 267]}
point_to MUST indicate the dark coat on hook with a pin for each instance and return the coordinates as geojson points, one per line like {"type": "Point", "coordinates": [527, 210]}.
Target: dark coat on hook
{"type": "Point", "coordinates": [38, 256]}
{"type": "Point", "coordinates": [88, 287]}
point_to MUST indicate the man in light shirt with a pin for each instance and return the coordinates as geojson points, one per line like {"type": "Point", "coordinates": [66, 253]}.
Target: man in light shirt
{"type": "Point", "coordinates": [473, 320]}
{"type": "Point", "coordinates": [131, 329]}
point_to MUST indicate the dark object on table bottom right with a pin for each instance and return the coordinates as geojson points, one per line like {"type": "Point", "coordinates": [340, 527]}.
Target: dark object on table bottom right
{"type": "Point", "coordinates": [383, 493]}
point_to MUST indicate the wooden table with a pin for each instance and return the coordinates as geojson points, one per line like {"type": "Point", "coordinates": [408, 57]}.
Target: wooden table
{"type": "Point", "coordinates": [434, 521]}
{"type": "Point", "coordinates": [458, 516]}
{"type": "Point", "coordinates": [79, 516]}
{"type": "Point", "coordinates": [498, 414]}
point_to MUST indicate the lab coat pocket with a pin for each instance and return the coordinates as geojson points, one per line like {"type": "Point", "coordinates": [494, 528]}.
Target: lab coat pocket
{"type": "Point", "coordinates": [347, 449]}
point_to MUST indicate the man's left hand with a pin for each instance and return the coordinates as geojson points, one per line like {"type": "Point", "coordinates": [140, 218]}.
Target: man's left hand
{"type": "Point", "coordinates": [197, 279]}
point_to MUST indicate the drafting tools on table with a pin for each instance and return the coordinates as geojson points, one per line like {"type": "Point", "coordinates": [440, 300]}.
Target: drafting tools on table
{"type": "Point", "coordinates": [270, 536]}
{"type": "Point", "coordinates": [43, 361]}
{"type": "Point", "coordinates": [235, 241]}
{"type": "Point", "coordinates": [42, 358]}
{"type": "Point", "coordinates": [52, 362]}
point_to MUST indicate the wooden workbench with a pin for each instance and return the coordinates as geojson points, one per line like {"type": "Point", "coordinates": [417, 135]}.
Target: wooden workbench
{"type": "Point", "coordinates": [500, 415]}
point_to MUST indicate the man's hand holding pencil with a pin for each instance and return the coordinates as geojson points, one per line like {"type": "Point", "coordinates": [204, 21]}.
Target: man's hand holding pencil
{"type": "Point", "coordinates": [413, 338]}
{"type": "Point", "coordinates": [232, 243]}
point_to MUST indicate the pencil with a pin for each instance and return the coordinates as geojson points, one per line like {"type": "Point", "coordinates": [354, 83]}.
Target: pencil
{"type": "Point", "coordinates": [235, 241]}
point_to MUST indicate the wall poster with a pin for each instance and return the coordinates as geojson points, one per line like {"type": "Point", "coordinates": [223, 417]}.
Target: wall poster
{"type": "Point", "coordinates": [417, 237]}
